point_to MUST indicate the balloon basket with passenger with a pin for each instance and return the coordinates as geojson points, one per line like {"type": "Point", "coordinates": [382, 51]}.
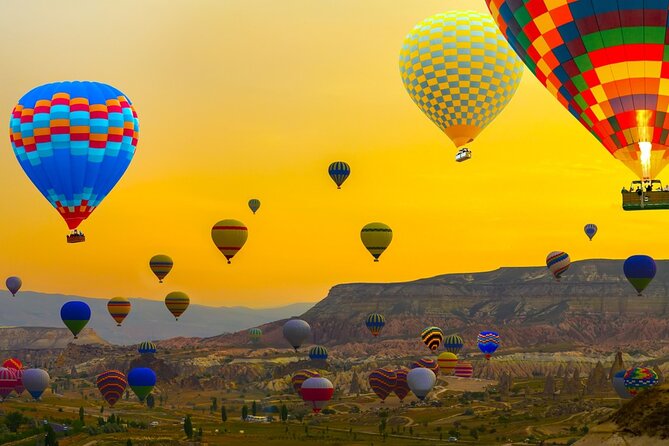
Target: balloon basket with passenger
{"type": "Point", "coordinates": [463, 155]}
{"type": "Point", "coordinates": [645, 195]}
{"type": "Point", "coordinates": [76, 237]}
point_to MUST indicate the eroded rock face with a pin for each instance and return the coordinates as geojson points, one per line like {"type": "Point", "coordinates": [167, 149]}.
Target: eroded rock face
{"type": "Point", "coordinates": [45, 338]}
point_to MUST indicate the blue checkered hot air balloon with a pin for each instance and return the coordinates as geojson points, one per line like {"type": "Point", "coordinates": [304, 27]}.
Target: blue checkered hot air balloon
{"type": "Point", "coordinates": [74, 140]}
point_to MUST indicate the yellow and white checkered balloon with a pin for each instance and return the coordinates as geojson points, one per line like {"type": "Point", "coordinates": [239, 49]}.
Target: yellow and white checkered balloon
{"type": "Point", "coordinates": [460, 71]}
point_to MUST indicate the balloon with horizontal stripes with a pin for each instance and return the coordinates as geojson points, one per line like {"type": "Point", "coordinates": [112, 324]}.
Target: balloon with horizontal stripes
{"type": "Point", "coordinates": [376, 237]}
{"type": "Point", "coordinates": [375, 323]}
{"type": "Point", "coordinates": [161, 265]}
{"type": "Point", "coordinates": [318, 352]}
{"type": "Point", "coordinates": [74, 141]}
{"type": "Point", "coordinates": [447, 362]}
{"type": "Point", "coordinates": [119, 308]}
{"type": "Point", "coordinates": [453, 343]}
{"type": "Point", "coordinates": [112, 384]}
{"type": "Point", "coordinates": [8, 382]}
{"type": "Point", "coordinates": [557, 263]}
{"type": "Point", "coordinates": [177, 302]}
{"type": "Point", "coordinates": [382, 381]}
{"type": "Point", "coordinates": [488, 342]}
{"type": "Point", "coordinates": [463, 369]}
{"type": "Point", "coordinates": [300, 376]}
{"type": "Point", "coordinates": [432, 337]}
{"type": "Point", "coordinates": [426, 363]}
{"type": "Point", "coordinates": [339, 172]}
{"type": "Point", "coordinates": [229, 236]}
{"type": "Point", "coordinates": [401, 384]}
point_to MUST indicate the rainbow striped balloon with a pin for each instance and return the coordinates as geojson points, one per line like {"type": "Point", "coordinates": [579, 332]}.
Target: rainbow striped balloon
{"type": "Point", "coordinates": [557, 263]}
{"type": "Point", "coordinates": [229, 237]}
{"type": "Point", "coordinates": [112, 384]}
{"type": "Point", "coordinates": [637, 379]}
{"type": "Point", "coordinates": [119, 308]}
{"type": "Point", "coordinates": [177, 302]}
{"type": "Point", "coordinates": [382, 381]}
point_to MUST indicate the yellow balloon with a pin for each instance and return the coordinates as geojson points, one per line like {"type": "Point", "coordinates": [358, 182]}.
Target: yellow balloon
{"type": "Point", "coordinates": [376, 237]}
{"type": "Point", "coordinates": [177, 302]}
{"type": "Point", "coordinates": [447, 362]}
{"type": "Point", "coordinates": [229, 237]}
{"type": "Point", "coordinates": [460, 71]}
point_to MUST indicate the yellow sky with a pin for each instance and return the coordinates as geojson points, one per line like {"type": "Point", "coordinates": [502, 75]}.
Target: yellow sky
{"type": "Point", "coordinates": [243, 99]}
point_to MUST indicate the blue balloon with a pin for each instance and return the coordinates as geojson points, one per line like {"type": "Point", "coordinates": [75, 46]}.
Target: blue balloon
{"type": "Point", "coordinates": [590, 230]}
{"type": "Point", "coordinates": [75, 316]}
{"type": "Point", "coordinates": [488, 342]}
{"type": "Point", "coordinates": [141, 381]}
{"type": "Point", "coordinates": [640, 271]}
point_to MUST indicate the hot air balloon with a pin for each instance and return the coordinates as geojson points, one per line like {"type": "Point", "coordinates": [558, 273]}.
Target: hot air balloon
{"type": "Point", "coordinates": [604, 61]}
{"type": "Point", "coordinates": [488, 342]}
{"type": "Point", "coordinates": [317, 392]}
{"type": "Point", "coordinates": [460, 72]}
{"type": "Point", "coordinates": [339, 171]}
{"type": "Point", "coordinates": [590, 230]}
{"type": "Point", "coordinates": [382, 381]}
{"type": "Point", "coordinates": [119, 308]}
{"type": "Point", "coordinates": [254, 205]}
{"type": "Point", "coordinates": [13, 363]}
{"type": "Point", "coordinates": [141, 381]}
{"type": "Point", "coordinates": [463, 369]}
{"type": "Point", "coordinates": [618, 382]}
{"type": "Point", "coordinates": [453, 343]}
{"type": "Point", "coordinates": [447, 362]}
{"type": "Point", "coordinates": [401, 388]}
{"type": "Point", "coordinates": [74, 140]}
{"type": "Point", "coordinates": [8, 381]}
{"type": "Point", "coordinates": [300, 376]}
{"type": "Point", "coordinates": [637, 379]}
{"type": "Point", "coordinates": [75, 316]}
{"type": "Point", "coordinates": [147, 348]}
{"type": "Point", "coordinates": [177, 302]}
{"type": "Point", "coordinates": [296, 331]}
{"type": "Point", "coordinates": [161, 265]}
{"type": "Point", "coordinates": [13, 284]}
{"type": "Point", "coordinates": [375, 323]}
{"type": "Point", "coordinates": [112, 384]}
{"type": "Point", "coordinates": [229, 236]}
{"type": "Point", "coordinates": [557, 263]}
{"type": "Point", "coordinates": [255, 334]}
{"type": "Point", "coordinates": [17, 365]}
{"type": "Point", "coordinates": [318, 353]}
{"type": "Point", "coordinates": [432, 337]}
{"type": "Point", "coordinates": [427, 363]}
{"type": "Point", "coordinates": [640, 271]}
{"type": "Point", "coordinates": [421, 381]}
{"type": "Point", "coordinates": [376, 237]}
{"type": "Point", "coordinates": [35, 381]}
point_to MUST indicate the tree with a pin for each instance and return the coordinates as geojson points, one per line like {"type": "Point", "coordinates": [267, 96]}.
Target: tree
{"type": "Point", "coordinates": [284, 413]}
{"type": "Point", "coordinates": [14, 420]}
{"type": "Point", "coordinates": [214, 404]}
{"type": "Point", "coordinates": [245, 412]}
{"type": "Point", "coordinates": [188, 427]}
{"type": "Point", "coordinates": [150, 401]}
{"type": "Point", "coordinates": [254, 408]}
{"type": "Point", "coordinates": [128, 443]}
{"type": "Point", "coordinates": [224, 414]}
{"type": "Point", "coordinates": [50, 439]}
{"type": "Point", "coordinates": [102, 409]}
{"type": "Point", "coordinates": [199, 433]}
{"type": "Point", "coordinates": [81, 414]}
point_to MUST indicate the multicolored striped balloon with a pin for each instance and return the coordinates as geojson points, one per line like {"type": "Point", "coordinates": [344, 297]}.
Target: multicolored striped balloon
{"type": "Point", "coordinates": [557, 263]}
{"type": "Point", "coordinates": [432, 337]}
{"type": "Point", "coordinates": [590, 230]}
{"type": "Point", "coordinates": [375, 323]}
{"type": "Point", "coordinates": [459, 71]}
{"type": "Point", "coordinates": [229, 237]}
{"type": "Point", "coordinates": [488, 342]}
{"type": "Point", "coordinates": [463, 369]}
{"type": "Point", "coordinates": [177, 302]}
{"type": "Point", "coordinates": [382, 381]}
{"type": "Point", "coordinates": [339, 171]}
{"type": "Point", "coordinates": [8, 382]}
{"type": "Point", "coordinates": [119, 308]}
{"type": "Point", "coordinates": [161, 265]}
{"type": "Point", "coordinates": [447, 362]}
{"type": "Point", "coordinates": [426, 363]}
{"type": "Point", "coordinates": [640, 271]}
{"type": "Point", "coordinates": [376, 237]}
{"type": "Point", "coordinates": [319, 353]}
{"type": "Point", "coordinates": [254, 205]}
{"type": "Point", "coordinates": [141, 381]}
{"type": "Point", "coordinates": [75, 316]}
{"type": "Point", "coordinates": [401, 384]}
{"type": "Point", "coordinates": [74, 140]}
{"type": "Point", "coordinates": [605, 61]}
{"type": "Point", "coordinates": [300, 376]}
{"type": "Point", "coordinates": [111, 384]}
{"type": "Point", "coordinates": [453, 343]}
{"type": "Point", "coordinates": [147, 348]}
{"type": "Point", "coordinates": [637, 379]}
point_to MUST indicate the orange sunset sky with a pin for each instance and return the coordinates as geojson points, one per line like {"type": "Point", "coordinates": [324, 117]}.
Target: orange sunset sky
{"type": "Point", "coordinates": [242, 99]}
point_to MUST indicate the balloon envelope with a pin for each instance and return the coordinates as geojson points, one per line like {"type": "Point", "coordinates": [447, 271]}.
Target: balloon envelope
{"type": "Point", "coordinates": [427, 363]}
{"type": "Point", "coordinates": [75, 316]}
{"type": "Point", "coordinates": [382, 381]}
{"type": "Point", "coordinates": [557, 263]}
{"type": "Point", "coordinates": [640, 271]}
{"type": "Point", "coordinates": [119, 308]}
{"type": "Point", "coordinates": [13, 363]}
{"type": "Point", "coordinates": [254, 205]}
{"type": "Point", "coordinates": [376, 237]}
{"type": "Point", "coordinates": [161, 265]}
{"type": "Point", "coordinates": [35, 381]}
{"type": "Point", "coordinates": [453, 343]}
{"type": "Point", "coordinates": [229, 236]}
{"type": "Point", "coordinates": [375, 323]}
{"type": "Point", "coordinates": [146, 348]}
{"type": "Point", "coordinates": [421, 381]}
{"type": "Point", "coordinates": [8, 381]}
{"type": "Point", "coordinates": [255, 334]}
{"type": "Point", "coordinates": [112, 384]}
{"type": "Point", "coordinates": [318, 353]}
{"type": "Point", "coordinates": [74, 141]}
{"type": "Point", "coordinates": [463, 369]}
{"type": "Point", "coordinates": [401, 384]}
{"type": "Point", "coordinates": [300, 376]}
{"type": "Point", "coordinates": [13, 284]}
{"type": "Point", "coordinates": [618, 382]}
{"type": "Point", "coordinates": [488, 342]}
{"type": "Point", "coordinates": [296, 331]}
{"type": "Point", "coordinates": [141, 381]}
{"type": "Point", "coordinates": [177, 302]}
{"type": "Point", "coordinates": [590, 230]}
{"type": "Point", "coordinates": [637, 379]}
{"type": "Point", "coordinates": [459, 71]}
{"type": "Point", "coordinates": [339, 171]}
{"type": "Point", "coordinates": [317, 391]}
{"type": "Point", "coordinates": [447, 362]}
{"type": "Point", "coordinates": [432, 337]}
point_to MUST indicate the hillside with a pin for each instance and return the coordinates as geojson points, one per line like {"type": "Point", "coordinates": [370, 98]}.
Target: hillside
{"type": "Point", "coordinates": [41, 338]}
{"type": "Point", "coordinates": [149, 319]}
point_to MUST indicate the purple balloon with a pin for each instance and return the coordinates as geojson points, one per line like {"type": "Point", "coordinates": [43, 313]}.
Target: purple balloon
{"type": "Point", "coordinates": [13, 284]}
